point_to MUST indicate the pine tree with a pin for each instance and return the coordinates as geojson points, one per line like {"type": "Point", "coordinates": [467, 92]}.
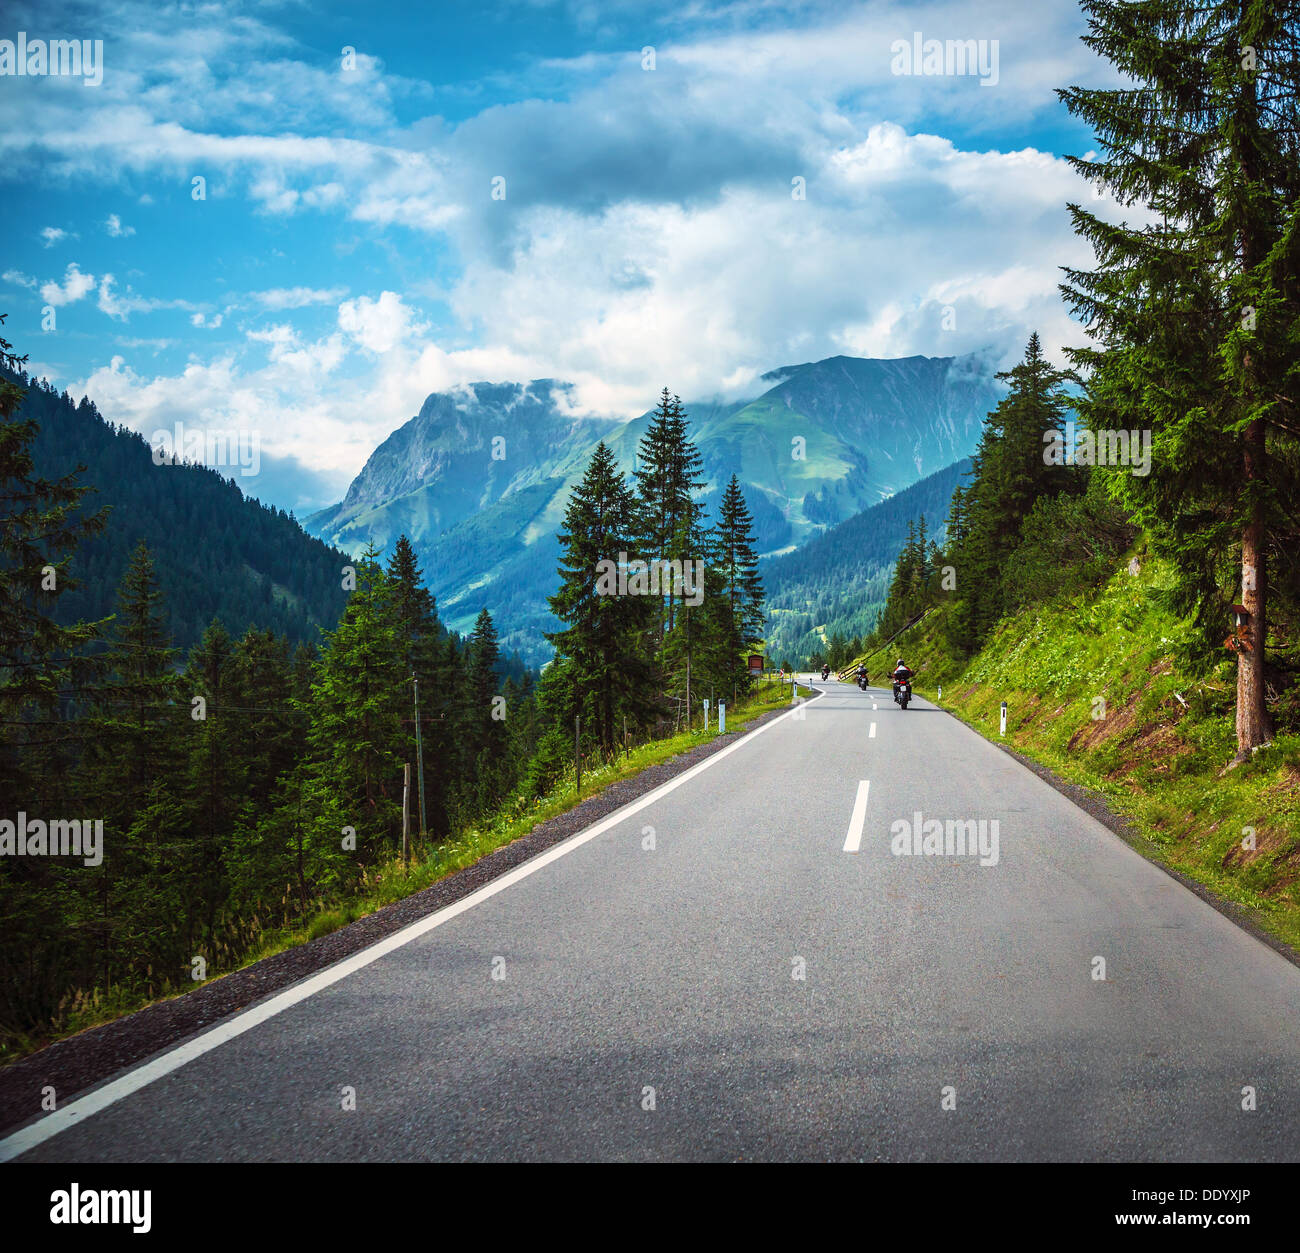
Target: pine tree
{"type": "Point", "coordinates": [734, 558]}
{"type": "Point", "coordinates": [213, 783]}
{"type": "Point", "coordinates": [357, 700]}
{"type": "Point", "coordinates": [602, 651]}
{"type": "Point", "coordinates": [483, 724]}
{"type": "Point", "coordinates": [48, 912]}
{"type": "Point", "coordinates": [1010, 472]}
{"type": "Point", "coordinates": [670, 519]}
{"type": "Point", "coordinates": [687, 531]}
{"type": "Point", "coordinates": [420, 630]}
{"type": "Point", "coordinates": [130, 771]}
{"type": "Point", "coordinates": [1195, 319]}
{"type": "Point", "coordinates": [134, 721]}
{"type": "Point", "coordinates": [42, 663]}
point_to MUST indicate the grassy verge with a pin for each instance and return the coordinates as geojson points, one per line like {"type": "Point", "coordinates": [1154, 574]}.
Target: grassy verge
{"type": "Point", "coordinates": [390, 881]}
{"type": "Point", "coordinates": [1094, 692]}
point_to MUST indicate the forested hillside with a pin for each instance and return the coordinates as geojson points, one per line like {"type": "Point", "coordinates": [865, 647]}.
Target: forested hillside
{"type": "Point", "coordinates": [835, 586]}
{"type": "Point", "coordinates": [217, 552]}
{"type": "Point", "coordinates": [174, 810]}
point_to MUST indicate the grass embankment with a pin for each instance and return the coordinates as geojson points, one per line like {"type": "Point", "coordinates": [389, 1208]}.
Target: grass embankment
{"type": "Point", "coordinates": [1094, 691]}
{"type": "Point", "coordinates": [390, 881]}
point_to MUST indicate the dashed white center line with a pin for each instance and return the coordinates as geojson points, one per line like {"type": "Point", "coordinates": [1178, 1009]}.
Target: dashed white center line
{"type": "Point", "coordinates": [871, 735]}
{"type": "Point", "coordinates": [854, 839]}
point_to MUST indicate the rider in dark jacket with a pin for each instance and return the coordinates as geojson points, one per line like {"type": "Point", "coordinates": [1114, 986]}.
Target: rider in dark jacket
{"type": "Point", "coordinates": [901, 675]}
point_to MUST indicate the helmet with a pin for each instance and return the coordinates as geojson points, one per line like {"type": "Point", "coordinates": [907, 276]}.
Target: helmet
{"type": "Point", "coordinates": [900, 661]}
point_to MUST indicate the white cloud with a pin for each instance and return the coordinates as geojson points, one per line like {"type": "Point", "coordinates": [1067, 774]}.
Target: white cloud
{"type": "Point", "coordinates": [279, 336]}
{"type": "Point", "coordinates": [204, 321]}
{"type": "Point", "coordinates": [298, 297]}
{"type": "Point", "coordinates": [19, 279]}
{"type": "Point", "coordinates": [157, 345]}
{"type": "Point", "coordinates": [121, 307]}
{"type": "Point", "coordinates": [896, 229]}
{"type": "Point", "coordinates": [51, 235]}
{"type": "Point", "coordinates": [289, 403]}
{"type": "Point", "coordinates": [113, 225]}
{"type": "Point", "coordinates": [378, 325]}
{"type": "Point", "coordinates": [75, 285]}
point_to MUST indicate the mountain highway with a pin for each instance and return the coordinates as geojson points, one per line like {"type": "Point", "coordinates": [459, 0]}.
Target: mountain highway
{"type": "Point", "coordinates": [760, 960]}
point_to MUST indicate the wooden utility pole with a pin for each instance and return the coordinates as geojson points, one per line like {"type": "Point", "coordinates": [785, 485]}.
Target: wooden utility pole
{"type": "Point", "coordinates": [406, 814]}
{"type": "Point", "coordinates": [419, 758]}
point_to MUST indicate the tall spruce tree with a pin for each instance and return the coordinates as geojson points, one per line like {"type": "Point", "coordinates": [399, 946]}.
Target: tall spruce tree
{"type": "Point", "coordinates": [131, 771]}
{"type": "Point", "coordinates": [1012, 468]}
{"type": "Point", "coordinates": [357, 701]}
{"type": "Point", "coordinates": [484, 715]}
{"type": "Point", "coordinates": [44, 664]}
{"type": "Point", "coordinates": [602, 650]}
{"type": "Point", "coordinates": [134, 717]}
{"type": "Point", "coordinates": [736, 563]}
{"type": "Point", "coordinates": [1195, 315]}
{"type": "Point", "coordinates": [420, 630]}
{"type": "Point", "coordinates": [669, 515]}
{"type": "Point", "coordinates": [214, 783]}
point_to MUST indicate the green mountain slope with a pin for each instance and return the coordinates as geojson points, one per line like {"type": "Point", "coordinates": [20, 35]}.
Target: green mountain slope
{"type": "Point", "coordinates": [479, 478]}
{"type": "Point", "coordinates": [217, 552]}
{"type": "Point", "coordinates": [838, 583]}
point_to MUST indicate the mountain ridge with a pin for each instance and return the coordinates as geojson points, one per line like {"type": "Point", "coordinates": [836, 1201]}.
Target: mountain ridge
{"type": "Point", "coordinates": [479, 478]}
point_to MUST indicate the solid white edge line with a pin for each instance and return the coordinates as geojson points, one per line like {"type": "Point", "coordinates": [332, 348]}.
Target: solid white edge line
{"type": "Point", "coordinates": [53, 1124]}
{"type": "Point", "coordinates": [853, 841]}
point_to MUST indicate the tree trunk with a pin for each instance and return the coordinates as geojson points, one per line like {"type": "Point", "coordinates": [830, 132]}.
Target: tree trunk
{"type": "Point", "coordinates": [1253, 725]}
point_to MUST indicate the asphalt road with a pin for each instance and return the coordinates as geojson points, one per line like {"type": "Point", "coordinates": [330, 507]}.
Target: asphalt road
{"type": "Point", "coordinates": [928, 980]}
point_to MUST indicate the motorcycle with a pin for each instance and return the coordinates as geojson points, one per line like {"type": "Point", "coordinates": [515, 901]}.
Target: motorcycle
{"type": "Point", "coordinates": [862, 680]}
{"type": "Point", "coordinates": [825, 672]}
{"type": "Point", "coordinates": [903, 693]}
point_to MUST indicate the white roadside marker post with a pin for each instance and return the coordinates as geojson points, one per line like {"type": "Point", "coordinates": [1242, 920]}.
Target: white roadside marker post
{"type": "Point", "coordinates": [722, 716]}
{"type": "Point", "coordinates": [1004, 717]}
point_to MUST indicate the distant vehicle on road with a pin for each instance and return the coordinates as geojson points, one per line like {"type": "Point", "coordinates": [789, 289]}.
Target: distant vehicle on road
{"type": "Point", "coordinates": [902, 684]}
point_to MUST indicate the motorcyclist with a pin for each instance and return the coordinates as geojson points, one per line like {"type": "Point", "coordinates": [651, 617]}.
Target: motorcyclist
{"type": "Point", "coordinates": [901, 675]}
{"type": "Point", "coordinates": [825, 671]}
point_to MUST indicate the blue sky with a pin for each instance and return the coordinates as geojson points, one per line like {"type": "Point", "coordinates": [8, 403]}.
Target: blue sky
{"type": "Point", "coordinates": [349, 256]}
